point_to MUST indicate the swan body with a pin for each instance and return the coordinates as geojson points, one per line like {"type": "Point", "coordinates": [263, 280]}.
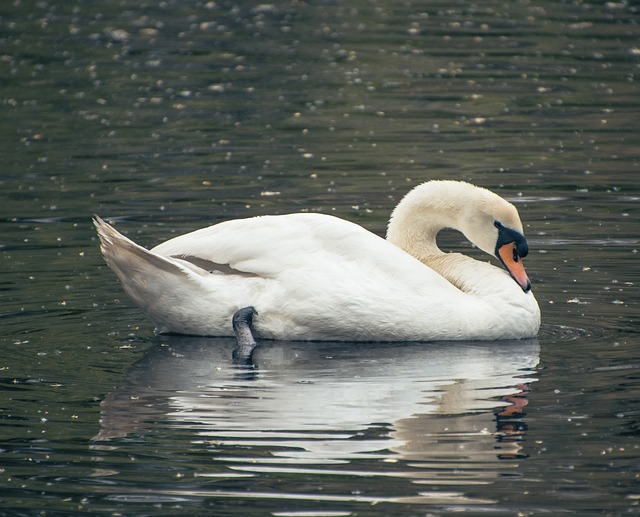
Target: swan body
{"type": "Point", "coordinates": [318, 277]}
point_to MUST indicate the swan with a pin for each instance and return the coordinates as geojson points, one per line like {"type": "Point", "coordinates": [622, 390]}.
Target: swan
{"type": "Point", "coordinates": [312, 276]}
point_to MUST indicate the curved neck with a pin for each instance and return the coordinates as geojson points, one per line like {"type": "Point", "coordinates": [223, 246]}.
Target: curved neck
{"type": "Point", "coordinates": [418, 242]}
{"type": "Point", "coordinates": [435, 205]}
{"type": "Point", "coordinates": [416, 221]}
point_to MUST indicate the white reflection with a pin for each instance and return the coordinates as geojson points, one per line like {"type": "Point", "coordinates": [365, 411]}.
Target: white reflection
{"type": "Point", "coordinates": [434, 404]}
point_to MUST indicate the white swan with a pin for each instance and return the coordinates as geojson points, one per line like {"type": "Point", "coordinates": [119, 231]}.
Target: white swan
{"type": "Point", "coordinates": [317, 277]}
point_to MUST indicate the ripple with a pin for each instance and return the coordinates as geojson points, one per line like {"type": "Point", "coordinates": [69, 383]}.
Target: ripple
{"type": "Point", "coordinates": [537, 199]}
{"type": "Point", "coordinates": [566, 333]}
{"type": "Point", "coordinates": [310, 514]}
{"type": "Point", "coordinates": [579, 241]}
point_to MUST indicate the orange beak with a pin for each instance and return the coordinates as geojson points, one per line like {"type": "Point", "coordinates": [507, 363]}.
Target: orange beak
{"type": "Point", "coordinates": [508, 255]}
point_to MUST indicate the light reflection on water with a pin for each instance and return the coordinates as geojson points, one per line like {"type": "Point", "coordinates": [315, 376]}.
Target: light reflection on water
{"type": "Point", "coordinates": [432, 414]}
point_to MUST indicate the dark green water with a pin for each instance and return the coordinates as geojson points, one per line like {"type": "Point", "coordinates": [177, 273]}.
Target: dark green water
{"type": "Point", "coordinates": [168, 117]}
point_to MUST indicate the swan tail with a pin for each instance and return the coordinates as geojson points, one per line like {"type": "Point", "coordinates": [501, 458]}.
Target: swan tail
{"type": "Point", "coordinates": [125, 256]}
{"type": "Point", "coordinates": [146, 276]}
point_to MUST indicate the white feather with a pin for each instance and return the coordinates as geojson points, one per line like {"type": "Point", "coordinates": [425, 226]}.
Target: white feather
{"type": "Point", "coordinates": [318, 277]}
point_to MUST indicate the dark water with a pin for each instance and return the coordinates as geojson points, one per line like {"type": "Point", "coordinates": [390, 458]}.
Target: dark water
{"type": "Point", "coordinates": [171, 116]}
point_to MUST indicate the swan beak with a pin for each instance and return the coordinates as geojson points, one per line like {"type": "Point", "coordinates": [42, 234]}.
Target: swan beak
{"type": "Point", "coordinates": [508, 255]}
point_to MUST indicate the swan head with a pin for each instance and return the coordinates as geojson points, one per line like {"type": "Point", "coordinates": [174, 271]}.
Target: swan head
{"type": "Point", "coordinates": [486, 219]}
{"type": "Point", "coordinates": [511, 248]}
{"type": "Point", "coordinates": [493, 224]}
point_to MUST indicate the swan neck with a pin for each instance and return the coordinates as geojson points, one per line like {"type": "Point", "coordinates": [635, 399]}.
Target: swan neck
{"type": "Point", "coordinates": [435, 205]}
{"type": "Point", "coordinates": [414, 226]}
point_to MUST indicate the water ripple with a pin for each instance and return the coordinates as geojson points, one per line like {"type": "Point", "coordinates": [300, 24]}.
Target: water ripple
{"type": "Point", "coordinates": [565, 332]}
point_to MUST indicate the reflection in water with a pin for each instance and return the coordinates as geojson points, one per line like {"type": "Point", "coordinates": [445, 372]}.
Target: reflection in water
{"type": "Point", "coordinates": [449, 412]}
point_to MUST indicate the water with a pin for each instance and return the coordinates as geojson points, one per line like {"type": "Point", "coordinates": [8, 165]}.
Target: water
{"type": "Point", "coordinates": [173, 116]}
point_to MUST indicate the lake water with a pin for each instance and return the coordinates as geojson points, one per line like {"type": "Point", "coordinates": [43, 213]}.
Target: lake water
{"type": "Point", "coordinates": [170, 117]}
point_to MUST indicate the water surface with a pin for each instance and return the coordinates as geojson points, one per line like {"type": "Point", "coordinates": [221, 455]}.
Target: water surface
{"type": "Point", "coordinates": [170, 117]}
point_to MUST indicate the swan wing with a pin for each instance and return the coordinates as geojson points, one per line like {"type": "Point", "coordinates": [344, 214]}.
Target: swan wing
{"type": "Point", "coordinates": [281, 245]}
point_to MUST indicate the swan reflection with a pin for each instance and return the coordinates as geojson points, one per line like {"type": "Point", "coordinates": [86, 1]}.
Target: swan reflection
{"type": "Point", "coordinates": [329, 402]}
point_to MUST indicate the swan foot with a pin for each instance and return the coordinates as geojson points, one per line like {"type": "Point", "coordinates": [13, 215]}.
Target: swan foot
{"type": "Point", "coordinates": [245, 342]}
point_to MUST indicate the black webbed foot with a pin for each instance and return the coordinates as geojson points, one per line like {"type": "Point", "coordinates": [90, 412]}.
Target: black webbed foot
{"type": "Point", "coordinates": [245, 343]}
